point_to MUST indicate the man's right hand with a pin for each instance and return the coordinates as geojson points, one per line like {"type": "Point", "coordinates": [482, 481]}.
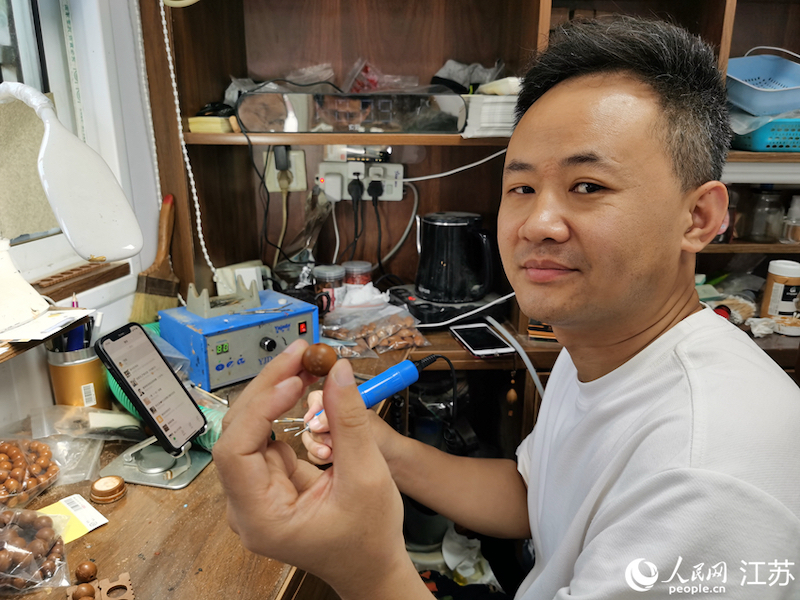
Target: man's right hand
{"type": "Point", "coordinates": [485, 495]}
{"type": "Point", "coordinates": [317, 439]}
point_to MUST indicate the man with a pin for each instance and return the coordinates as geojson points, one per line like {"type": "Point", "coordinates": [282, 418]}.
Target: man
{"type": "Point", "coordinates": [665, 457]}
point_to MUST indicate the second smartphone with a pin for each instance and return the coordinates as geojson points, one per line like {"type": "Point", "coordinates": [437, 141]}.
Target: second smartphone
{"type": "Point", "coordinates": [481, 340]}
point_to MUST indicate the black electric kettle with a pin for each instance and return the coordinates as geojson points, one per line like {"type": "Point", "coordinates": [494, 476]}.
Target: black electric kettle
{"type": "Point", "coordinates": [455, 257]}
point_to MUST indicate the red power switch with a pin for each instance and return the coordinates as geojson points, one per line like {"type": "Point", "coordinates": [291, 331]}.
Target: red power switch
{"type": "Point", "coordinates": [302, 327]}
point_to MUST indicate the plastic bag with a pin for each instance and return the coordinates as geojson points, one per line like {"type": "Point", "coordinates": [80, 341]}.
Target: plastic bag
{"type": "Point", "coordinates": [312, 74]}
{"type": "Point", "coordinates": [297, 268]}
{"type": "Point", "coordinates": [353, 323]}
{"type": "Point", "coordinates": [407, 337]}
{"type": "Point", "coordinates": [33, 556]}
{"type": "Point", "coordinates": [86, 422]}
{"type": "Point", "coordinates": [364, 77]}
{"type": "Point", "coordinates": [79, 458]}
{"type": "Point", "coordinates": [27, 469]}
{"type": "Point", "coordinates": [357, 350]}
{"type": "Point", "coordinates": [176, 359]}
{"type": "Point", "coordinates": [382, 329]}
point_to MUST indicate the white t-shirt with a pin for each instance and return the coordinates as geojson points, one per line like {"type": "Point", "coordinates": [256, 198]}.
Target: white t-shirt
{"type": "Point", "coordinates": [675, 475]}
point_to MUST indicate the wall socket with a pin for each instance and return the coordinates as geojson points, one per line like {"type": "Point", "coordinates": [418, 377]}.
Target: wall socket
{"type": "Point", "coordinates": [297, 167]}
{"type": "Point", "coordinates": [333, 178]}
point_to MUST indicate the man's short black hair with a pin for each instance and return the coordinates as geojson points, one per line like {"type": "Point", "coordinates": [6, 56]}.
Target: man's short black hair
{"type": "Point", "coordinates": [680, 67]}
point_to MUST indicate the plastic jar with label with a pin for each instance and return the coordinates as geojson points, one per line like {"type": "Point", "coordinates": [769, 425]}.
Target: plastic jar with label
{"type": "Point", "coordinates": [357, 272]}
{"type": "Point", "coordinates": [330, 279]}
{"type": "Point", "coordinates": [781, 289]}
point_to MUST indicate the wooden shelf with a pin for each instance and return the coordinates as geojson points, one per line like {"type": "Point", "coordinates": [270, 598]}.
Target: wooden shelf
{"type": "Point", "coordinates": [17, 348]}
{"type": "Point", "coordinates": [738, 247]}
{"type": "Point", "coordinates": [542, 354]}
{"type": "Point", "coordinates": [361, 139]}
{"type": "Point", "coordinates": [415, 139]}
{"type": "Point", "coordinates": [735, 156]}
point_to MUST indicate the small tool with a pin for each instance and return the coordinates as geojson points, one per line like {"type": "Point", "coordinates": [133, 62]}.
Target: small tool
{"type": "Point", "coordinates": [265, 311]}
{"type": "Point", "coordinates": [391, 381]}
{"type": "Point", "coordinates": [209, 395]}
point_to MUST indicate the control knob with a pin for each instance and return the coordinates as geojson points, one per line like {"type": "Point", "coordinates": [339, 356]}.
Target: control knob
{"type": "Point", "coordinates": [268, 344]}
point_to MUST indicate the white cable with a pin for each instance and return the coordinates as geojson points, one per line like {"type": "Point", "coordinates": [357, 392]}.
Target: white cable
{"type": "Point", "coordinates": [403, 237]}
{"type": "Point", "coordinates": [454, 171]}
{"type": "Point", "coordinates": [189, 171]}
{"type": "Point", "coordinates": [512, 340]}
{"type": "Point", "coordinates": [466, 314]}
{"type": "Point", "coordinates": [148, 108]}
{"type": "Point", "coordinates": [335, 234]}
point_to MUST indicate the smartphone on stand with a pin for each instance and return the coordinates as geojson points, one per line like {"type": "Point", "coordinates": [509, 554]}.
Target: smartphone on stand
{"type": "Point", "coordinates": [152, 386]}
{"type": "Point", "coordinates": [481, 340]}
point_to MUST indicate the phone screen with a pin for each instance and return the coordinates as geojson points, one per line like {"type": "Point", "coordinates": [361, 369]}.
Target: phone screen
{"type": "Point", "coordinates": [155, 385]}
{"type": "Point", "coordinates": [481, 338]}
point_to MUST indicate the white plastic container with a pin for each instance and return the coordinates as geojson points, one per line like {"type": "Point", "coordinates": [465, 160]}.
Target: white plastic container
{"type": "Point", "coordinates": [781, 289]}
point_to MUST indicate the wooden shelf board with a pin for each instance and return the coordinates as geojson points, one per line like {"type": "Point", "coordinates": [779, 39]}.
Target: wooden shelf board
{"type": "Point", "coordinates": [751, 248]}
{"type": "Point", "coordinates": [17, 348]}
{"type": "Point", "coordinates": [415, 139]}
{"type": "Point", "coordinates": [763, 157]}
{"type": "Point", "coordinates": [362, 139]}
{"type": "Point", "coordinates": [541, 354]}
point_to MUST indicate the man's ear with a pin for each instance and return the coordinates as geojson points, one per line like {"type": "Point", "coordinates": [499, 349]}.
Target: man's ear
{"type": "Point", "coordinates": [709, 208]}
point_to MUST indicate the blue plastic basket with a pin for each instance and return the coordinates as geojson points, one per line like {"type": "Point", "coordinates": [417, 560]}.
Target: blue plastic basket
{"type": "Point", "coordinates": [780, 135]}
{"type": "Point", "coordinates": [764, 84]}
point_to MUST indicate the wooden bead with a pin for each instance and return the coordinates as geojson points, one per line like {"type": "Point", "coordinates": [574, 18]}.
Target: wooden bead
{"type": "Point", "coordinates": [318, 359]}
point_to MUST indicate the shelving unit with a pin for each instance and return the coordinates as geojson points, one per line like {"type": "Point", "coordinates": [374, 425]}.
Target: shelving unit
{"type": "Point", "coordinates": [215, 40]}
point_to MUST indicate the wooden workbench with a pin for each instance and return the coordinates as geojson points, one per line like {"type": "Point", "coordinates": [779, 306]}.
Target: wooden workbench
{"type": "Point", "coordinates": [176, 544]}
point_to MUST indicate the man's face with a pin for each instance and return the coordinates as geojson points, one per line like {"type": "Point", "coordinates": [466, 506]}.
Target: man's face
{"type": "Point", "coordinates": [592, 214]}
{"type": "Point", "coordinates": [342, 112]}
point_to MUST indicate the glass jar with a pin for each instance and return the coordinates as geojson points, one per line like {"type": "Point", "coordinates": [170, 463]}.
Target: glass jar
{"type": "Point", "coordinates": [766, 220]}
{"type": "Point", "coordinates": [791, 224]}
{"type": "Point", "coordinates": [357, 272]}
{"type": "Point", "coordinates": [330, 279]}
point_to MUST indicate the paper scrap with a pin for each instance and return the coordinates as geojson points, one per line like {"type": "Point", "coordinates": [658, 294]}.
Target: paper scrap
{"type": "Point", "coordinates": [83, 517]}
{"type": "Point", "coordinates": [45, 325]}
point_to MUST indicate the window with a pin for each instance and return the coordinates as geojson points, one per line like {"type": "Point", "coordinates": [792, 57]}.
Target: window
{"type": "Point", "coordinates": [90, 52]}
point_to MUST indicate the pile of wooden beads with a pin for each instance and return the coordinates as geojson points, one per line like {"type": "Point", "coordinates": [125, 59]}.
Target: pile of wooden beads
{"type": "Point", "coordinates": [30, 550]}
{"type": "Point", "coordinates": [26, 468]}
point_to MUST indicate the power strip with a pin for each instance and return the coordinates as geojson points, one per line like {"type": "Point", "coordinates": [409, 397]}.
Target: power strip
{"type": "Point", "coordinates": [333, 178]}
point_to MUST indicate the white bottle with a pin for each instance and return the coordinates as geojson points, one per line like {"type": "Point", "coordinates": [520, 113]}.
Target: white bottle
{"type": "Point", "coordinates": [791, 223]}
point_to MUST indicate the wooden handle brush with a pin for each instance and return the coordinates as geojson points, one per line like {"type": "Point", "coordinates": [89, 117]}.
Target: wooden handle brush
{"type": "Point", "coordinates": [157, 286]}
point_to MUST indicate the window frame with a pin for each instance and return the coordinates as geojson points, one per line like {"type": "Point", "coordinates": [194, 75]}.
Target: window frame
{"type": "Point", "coordinates": [116, 126]}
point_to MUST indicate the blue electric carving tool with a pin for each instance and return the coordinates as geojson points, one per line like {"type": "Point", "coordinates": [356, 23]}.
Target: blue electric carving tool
{"type": "Point", "coordinates": [391, 381]}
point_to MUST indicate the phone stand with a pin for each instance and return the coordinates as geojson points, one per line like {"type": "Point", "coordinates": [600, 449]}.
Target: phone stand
{"type": "Point", "coordinates": [146, 463]}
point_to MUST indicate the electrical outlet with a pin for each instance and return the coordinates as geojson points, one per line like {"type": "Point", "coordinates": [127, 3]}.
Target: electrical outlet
{"type": "Point", "coordinates": [297, 167]}
{"type": "Point", "coordinates": [392, 176]}
{"type": "Point", "coordinates": [333, 177]}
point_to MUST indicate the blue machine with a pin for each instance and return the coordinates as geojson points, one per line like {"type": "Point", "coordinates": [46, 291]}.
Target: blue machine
{"type": "Point", "coordinates": [229, 348]}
